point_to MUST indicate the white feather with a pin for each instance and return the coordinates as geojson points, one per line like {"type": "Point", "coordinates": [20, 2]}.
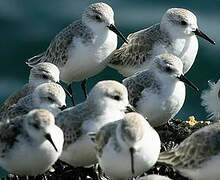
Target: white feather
{"type": "Point", "coordinates": [211, 100]}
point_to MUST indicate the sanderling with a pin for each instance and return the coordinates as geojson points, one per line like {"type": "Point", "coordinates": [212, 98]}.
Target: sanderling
{"type": "Point", "coordinates": [128, 147]}
{"type": "Point", "coordinates": [159, 92]}
{"type": "Point", "coordinates": [211, 100]}
{"type": "Point", "coordinates": [31, 143]}
{"type": "Point", "coordinates": [41, 73]}
{"type": "Point", "coordinates": [153, 177]}
{"type": "Point", "coordinates": [176, 34]}
{"type": "Point", "coordinates": [50, 96]}
{"type": "Point", "coordinates": [80, 49]}
{"type": "Point", "coordinates": [198, 156]}
{"type": "Point", "coordinates": [107, 102]}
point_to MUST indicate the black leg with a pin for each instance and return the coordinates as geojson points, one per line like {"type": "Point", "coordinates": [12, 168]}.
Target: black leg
{"type": "Point", "coordinates": [17, 177]}
{"type": "Point", "coordinates": [71, 92]}
{"type": "Point", "coordinates": [67, 93]}
{"type": "Point", "coordinates": [44, 177]}
{"type": "Point", "coordinates": [83, 86]}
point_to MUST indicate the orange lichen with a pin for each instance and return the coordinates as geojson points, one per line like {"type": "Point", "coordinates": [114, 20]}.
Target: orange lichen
{"type": "Point", "coordinates": [192, 121]}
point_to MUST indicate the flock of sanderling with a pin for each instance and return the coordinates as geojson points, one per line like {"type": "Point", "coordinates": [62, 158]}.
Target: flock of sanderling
{"type": "Point", "coordinates": [114, 125]}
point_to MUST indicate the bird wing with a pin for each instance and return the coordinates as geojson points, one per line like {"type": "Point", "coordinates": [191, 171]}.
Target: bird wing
{"type": "Point", "coordinates": [194, 150]}
{"type": "Point", "coordinates": [57, 52]}
{"type": "Point", "coordinates": [137, 83]}
{"type": "Point", "coordinates": [23, 106]}
{"type": "Point", "coordinates": [70, 121]}
{"type": "Point", "coordinates": [13, 99]}
{"type": "Point", "coordinates": [103, 135]}
{"type": "Point", "coordinates": [8, 135]}
{"type": "Point", "coordinates": [139, 48]}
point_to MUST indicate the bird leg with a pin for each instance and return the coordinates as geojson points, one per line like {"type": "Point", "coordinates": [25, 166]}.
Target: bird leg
{"type": "Point", "coordinates": [71, 92]}
{"type": "Point", "coordinates": [83, 86]}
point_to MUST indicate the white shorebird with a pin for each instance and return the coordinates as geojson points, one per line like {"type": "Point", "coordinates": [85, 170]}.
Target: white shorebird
{"type": "Point", "coordinates": [159, 92]}
{"type": "Point", "coordinates": [107, 102]}
{"type": "Point", "coordinates": [30, 144]}
{"type": "Point", "coordinates": [127, 148]}
{"type": "Point", "coordinates": [41, 73]}
{"type": "Point", "coordinates": [211, 100]}
{"type": "Point", "coordinates": [50, 96]}
{"type": "Point", "coordinates": [198, 156]}
{"type": "Point", "coordinates": [80, 49]}
{"type": "Point", "coordinates": [176, 34]}
{"type": "Point", "coordinates": [153, 177]}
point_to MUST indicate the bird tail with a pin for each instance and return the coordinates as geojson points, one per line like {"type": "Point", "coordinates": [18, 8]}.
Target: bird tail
{"type": "Point", "coordinates": [35, 60]}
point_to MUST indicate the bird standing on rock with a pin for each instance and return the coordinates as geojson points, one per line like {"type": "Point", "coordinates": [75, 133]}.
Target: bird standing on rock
{"type": "Point", "coordinates": [80, 49]}
{"type": "Point", "coordinates": [41, 73]}
{"type": "Point", "coordinates": [128, 147]}
{"type": "Point", "coordinates": [30, 144]}
{"type": "Point", "coordinates": [50, 96]}
{"type": "Point", "coordinates": [158, 93]}
{"type": "Point", "coordinates": [107, 102]}
{"type": "Point", "coordinates": [176, 34]}
{"type": "Point", "coordinates": [198, 156]}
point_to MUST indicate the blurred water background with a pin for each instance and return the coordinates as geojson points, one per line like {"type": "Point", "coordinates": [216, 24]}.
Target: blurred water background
{"type": "Point", "coordinates": [27, 27]}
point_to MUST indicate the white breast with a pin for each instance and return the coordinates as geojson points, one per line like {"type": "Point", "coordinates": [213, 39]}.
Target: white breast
{"type": "Point", "coordinates": [189, 53]}
{"type": "Point", "coordinates": [86, 60]}
{"type": "Point", "coordinates": [88, 156]}
{"type": "Point", "coordinates": [159, 108]}
{"type": "Point", "coordinates": [33, 158]}
{"type": "Point", "coordinates": [117, 163]}
{"type": "Point", "coordinates": [185, 49]}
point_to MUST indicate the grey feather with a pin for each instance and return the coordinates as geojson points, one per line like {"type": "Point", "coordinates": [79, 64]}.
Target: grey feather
{"type": "Point", "coordinates": [138, 82]}
{"type": "Point", "coordinates": [57, 52]}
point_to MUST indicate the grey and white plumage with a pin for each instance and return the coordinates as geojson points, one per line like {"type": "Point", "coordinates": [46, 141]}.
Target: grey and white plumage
{"type": "Point", "coordinates": [80, 49]}
{"type": "Point", "coordinates": [50, 96]}
{"type": "Point", "coordinates": [198, 156]}
{"type": "Point", "coordinates": [211, 100]}
{"type": "Point", "coordinates": [176, 34]}
{"type": "Point", "coordinates": [127, 148]}
{"type": "Point", "coordinates": [153, 177]}
{"type": "Point", "coordinates": [107, 102]}
{"type": "Point", "coordinates": [30, 144]}
{"type": "Point", "coordinates": [158, 93]}
{"type": "Point", "coordinates": [41, 73]}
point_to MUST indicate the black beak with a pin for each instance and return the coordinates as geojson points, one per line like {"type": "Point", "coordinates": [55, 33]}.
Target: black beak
{"type": "Point", "coordinates": [132, 151]}
{"type": "Point", "coordinates": [48, 137]}
{"type": "Point", "coordinates": [114, 29]}
{"type": "Point", "coordinates": [62, 107]}
{"type": "Point", "coordinates": [201, 34]}
{"type": "Point", "coordinates": [130, 108]}
{"type": "Point", "coordinates": [66, 91]}
{"type": "Point", "coordinates": [183, 79]}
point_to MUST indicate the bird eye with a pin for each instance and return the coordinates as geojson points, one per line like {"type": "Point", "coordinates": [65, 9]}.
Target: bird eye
{"type": "Point", "coordinates": [97, 17]}
{"type": "Point", "coordinates": [45, 76]}
{"type": "Point", "coordinates": [36, 126]}
{"type": "Point", "coordinates": [49, 98]}
{"type": "Point", "coordinates": [183, 23]}
{"type": "Point", "coordinates": [116, 97]}
{"type": "Point", "coordinates": [168, 69]}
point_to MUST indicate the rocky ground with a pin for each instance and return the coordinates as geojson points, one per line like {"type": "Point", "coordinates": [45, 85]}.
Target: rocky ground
{"type": "Point", "coordinates": [171, 134]}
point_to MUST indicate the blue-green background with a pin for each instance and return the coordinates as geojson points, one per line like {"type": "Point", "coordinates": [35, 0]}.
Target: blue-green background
{"type": "Point", "coordinates": [27, 26]}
